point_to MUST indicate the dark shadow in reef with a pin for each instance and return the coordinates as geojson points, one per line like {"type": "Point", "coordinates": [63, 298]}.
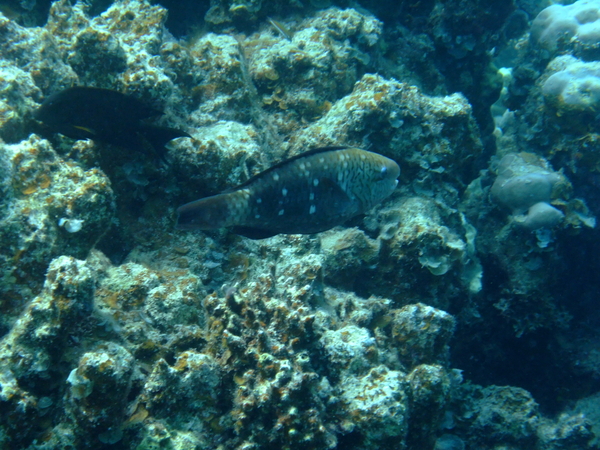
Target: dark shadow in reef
{"type": "Point", "coordinates": [549, 363]}
{"type": "Point", "coordinates": [184, 15]}
{"type": "Point", "coordinates": [26, 13]}
{"type": "Point", "coordinates": [97, 7]}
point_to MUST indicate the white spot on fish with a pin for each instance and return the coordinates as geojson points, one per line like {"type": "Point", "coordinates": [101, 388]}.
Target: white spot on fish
{"type": "Point", "coordinates": [311, 197]}
{"type": "Point", "coordinates": [276, 176]}
{"type": "Point", "coordinates": [345, 164]}
{"type": "Point", "coordinates": [312, 209]}
{"type": "Point", "coordinates": [284, 192]}
{"type": "Point", "coordinates": [340, 176]}
{"type": "Point", "coordinates": [259, 200]}
{"type": "Point", "coordinates": [321, 160]}
{"type": "Point", "coordinates": [302, 166]}
{"type": "Point", "coordinates": [281, 212]}
{"type": "Point", "coordinates": [316, 182]}
{"type": "Point", "coordinates": [257, 216]}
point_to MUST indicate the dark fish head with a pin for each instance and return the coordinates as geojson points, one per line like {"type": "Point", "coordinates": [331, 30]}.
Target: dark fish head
{"type": "Point", "coordinates": [51, 112]}
{"type": "Point", "coordinates": [103, 111]}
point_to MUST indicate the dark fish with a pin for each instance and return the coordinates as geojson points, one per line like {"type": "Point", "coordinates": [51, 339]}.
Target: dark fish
{"type": "Point", "coordinates": [306, 194]}
{"type": "Point", "coordinates": [107, 116]}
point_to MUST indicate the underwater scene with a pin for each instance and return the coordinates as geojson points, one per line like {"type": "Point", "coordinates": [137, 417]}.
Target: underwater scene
{"type": "Point", "coordinates": [304, 224]}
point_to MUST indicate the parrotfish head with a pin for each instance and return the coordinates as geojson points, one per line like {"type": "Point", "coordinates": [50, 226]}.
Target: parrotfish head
{"type": "Point", "coordinates": [380, 178]}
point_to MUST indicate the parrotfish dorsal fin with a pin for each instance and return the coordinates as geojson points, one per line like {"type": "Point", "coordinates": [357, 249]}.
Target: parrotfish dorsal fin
{"type": "Point", "coordinates": [286, 162]}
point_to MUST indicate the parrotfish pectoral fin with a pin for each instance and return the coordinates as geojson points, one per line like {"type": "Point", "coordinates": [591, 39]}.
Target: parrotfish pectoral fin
{"type": "Point", "coordinates": [331, 190]}
{"type": "Point", "coordinates": [253, 233]}
{"type": "Point", "coordinates": [330, 187]}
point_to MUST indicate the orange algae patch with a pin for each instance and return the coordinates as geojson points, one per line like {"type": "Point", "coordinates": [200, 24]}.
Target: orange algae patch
{"type": "Point", "coordinates": [181, 363]}
{"type": "Point", "coordinates": [29, 189]}
{"type": "Point", "coordinates": [139, 416]}
{"type": "Point", "coordinates": [42, 182]}
{"type": "Point", "coordinates": [45, 181]}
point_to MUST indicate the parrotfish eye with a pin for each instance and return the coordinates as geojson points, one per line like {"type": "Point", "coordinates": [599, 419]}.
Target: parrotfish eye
{"type": "Point", "coordinates": [383, 172]}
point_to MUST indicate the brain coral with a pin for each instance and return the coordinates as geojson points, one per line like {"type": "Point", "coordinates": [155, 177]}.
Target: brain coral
{"type": "Point", "coordinates": [579, 20]}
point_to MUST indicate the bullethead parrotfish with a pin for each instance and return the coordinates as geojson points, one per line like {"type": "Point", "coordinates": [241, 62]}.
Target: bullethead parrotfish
{"type": "Point", "coordinates": [306, 194]}
{"type": "Point", "coordinates": [107, 116]}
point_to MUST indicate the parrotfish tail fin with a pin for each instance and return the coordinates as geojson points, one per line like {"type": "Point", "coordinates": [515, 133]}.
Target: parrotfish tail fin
{"type": "Point", "coordinates": [204, 214]}
{"type": "Point", "coordinates": [157, 137]}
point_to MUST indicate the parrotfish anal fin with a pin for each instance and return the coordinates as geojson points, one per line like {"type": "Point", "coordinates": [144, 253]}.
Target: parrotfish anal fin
{"type": "Point", "coordinates": [253, 233]}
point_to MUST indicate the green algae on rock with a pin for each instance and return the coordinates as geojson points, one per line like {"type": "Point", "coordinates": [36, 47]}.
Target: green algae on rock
{"type": "Point", "coordinates": [435, 137]}
{"type": "Point", "coordinates": [98, 393]}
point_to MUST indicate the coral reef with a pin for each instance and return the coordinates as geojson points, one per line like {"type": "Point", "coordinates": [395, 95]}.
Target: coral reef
{"type": "Point", "coordinates": [55, 208]}
{"type": "Point", "coordinates": [523, 186]}
{"type": "Point", "coordinates": [430, 135]}
{"type": "Point", "coordinates": [98, 393]}
{"type": "Point", "coordinates": [31, 353]}
{"type": "Point", "coordinates": [460, 313]}
{"type": "Point", "coordinates": [288, 74]}
{"type": "Point", "coordinates": [560, 26]}
{"type": "Point", "coordinates": [571, 92]}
